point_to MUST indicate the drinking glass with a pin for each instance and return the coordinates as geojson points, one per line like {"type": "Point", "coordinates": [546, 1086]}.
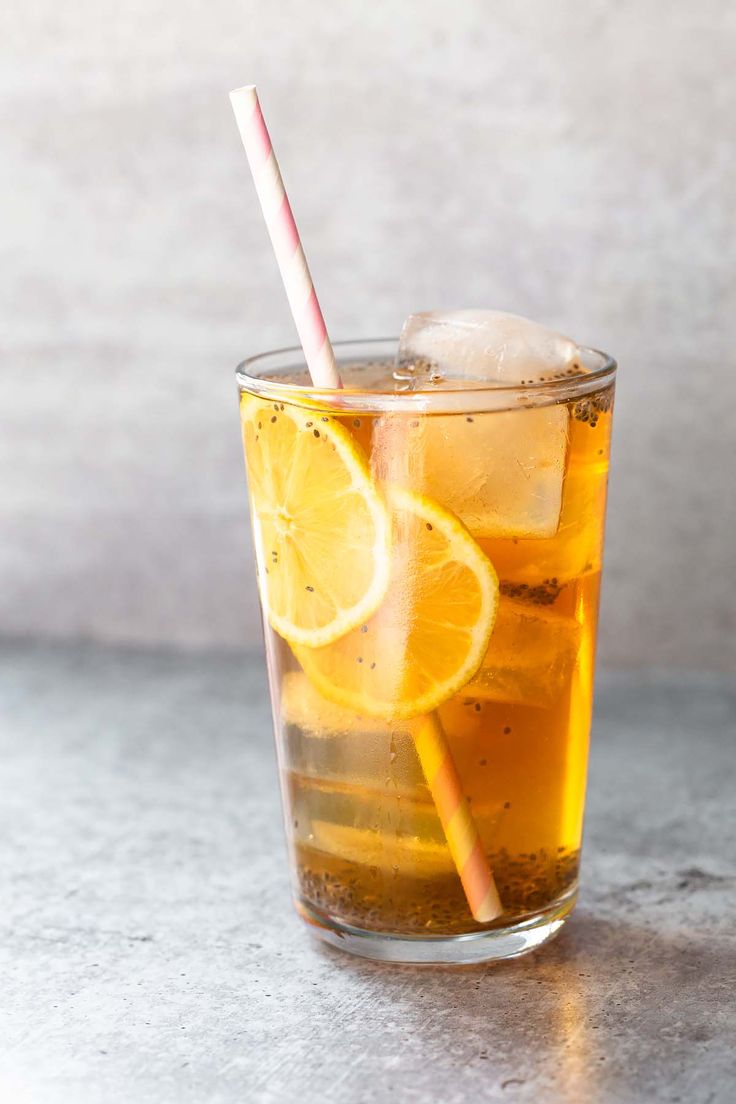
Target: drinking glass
{"type": "Point", "coordinates": [430, 643]}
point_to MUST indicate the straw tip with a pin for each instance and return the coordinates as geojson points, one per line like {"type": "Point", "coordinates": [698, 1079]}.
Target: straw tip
{"type": "Point", "coordinates": [248, 91]}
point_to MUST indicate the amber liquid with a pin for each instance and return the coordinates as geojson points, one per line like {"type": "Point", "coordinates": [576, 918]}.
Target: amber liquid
{"type": "Point", "coordinates": [368, 847]}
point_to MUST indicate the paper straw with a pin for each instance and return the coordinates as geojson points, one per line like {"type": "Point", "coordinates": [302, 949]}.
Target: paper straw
{"type": "Point", "coordinates": [461, 831]}
{"type": "Point", "coordinates": [433, 751]}
{"type": "Point", "coordinates": [285, 238]}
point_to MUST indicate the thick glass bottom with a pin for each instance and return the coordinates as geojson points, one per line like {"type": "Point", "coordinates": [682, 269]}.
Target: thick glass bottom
{"type": "Point", "coordinates": [492, 945]}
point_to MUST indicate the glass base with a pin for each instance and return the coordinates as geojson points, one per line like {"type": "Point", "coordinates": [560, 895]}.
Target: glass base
{"type": "Point", "coordinates": [453, 950]}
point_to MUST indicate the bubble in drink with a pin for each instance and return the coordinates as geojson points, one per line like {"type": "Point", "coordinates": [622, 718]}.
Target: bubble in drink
{"type": "Point", "coordinates": [484, 345]}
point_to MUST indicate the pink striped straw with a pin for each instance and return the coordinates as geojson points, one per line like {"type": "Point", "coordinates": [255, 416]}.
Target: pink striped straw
{"type": "Point", "coordinates": [434, 753]}
{"type": "Point", "coordinates": [285, 238]}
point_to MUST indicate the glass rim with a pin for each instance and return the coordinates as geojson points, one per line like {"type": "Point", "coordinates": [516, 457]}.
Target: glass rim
{"type": "Point", "coordinates": [478, 396]}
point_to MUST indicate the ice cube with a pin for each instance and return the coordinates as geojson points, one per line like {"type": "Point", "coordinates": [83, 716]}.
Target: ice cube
{"type": "Point", "coordinates": [304, 707]}
{"type": "Point", "coordinates": [530, 657]}
{"type": "Point", "coordinates": [501, 472]}
{"type": "Point", "coordinates": [328, 742]}
{"type": "Point", "coordinates": [484, 345]}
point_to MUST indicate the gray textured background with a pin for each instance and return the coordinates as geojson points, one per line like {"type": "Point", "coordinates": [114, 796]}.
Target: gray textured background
{"type": "Point", "coordinates": [573, 162]}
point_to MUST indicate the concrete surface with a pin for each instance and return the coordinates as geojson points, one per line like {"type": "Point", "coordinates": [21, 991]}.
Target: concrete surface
{"type": "Point", "coordinates": [573, 162]}
{"type": "Point", "coordinates": [149, 952]}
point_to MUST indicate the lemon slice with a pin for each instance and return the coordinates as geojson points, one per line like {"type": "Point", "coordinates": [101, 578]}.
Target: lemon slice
{"type": "Point", "coordinates": [394, 854]}
{"type": "Point", "coordinates": [430, 633]}
{"type": "Point", "coordinates": [321, 528]}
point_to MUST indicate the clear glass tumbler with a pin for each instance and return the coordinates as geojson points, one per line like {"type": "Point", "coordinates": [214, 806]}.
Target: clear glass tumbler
{"type": "Point", "coordinates": [428, 564]}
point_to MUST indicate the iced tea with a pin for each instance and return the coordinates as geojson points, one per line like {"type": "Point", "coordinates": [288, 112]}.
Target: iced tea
{"type": "Point", "coordinates": [524, 478]}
